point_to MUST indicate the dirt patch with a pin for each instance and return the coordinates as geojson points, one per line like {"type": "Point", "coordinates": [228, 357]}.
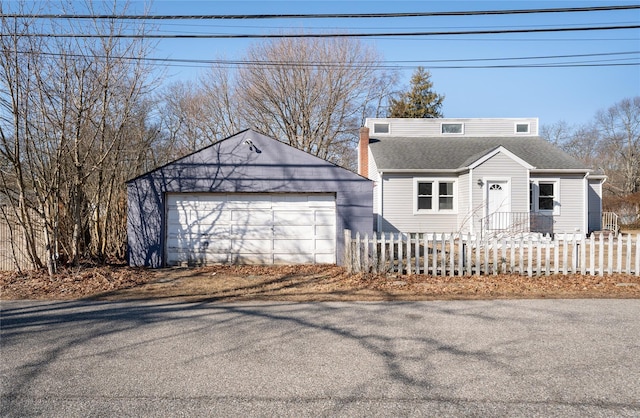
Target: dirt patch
{"type": "Point", "coordinates": [300, 284]}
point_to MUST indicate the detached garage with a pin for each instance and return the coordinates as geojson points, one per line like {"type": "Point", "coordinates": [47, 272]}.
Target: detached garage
{"type": "Point", "coordinates": [248, 199]}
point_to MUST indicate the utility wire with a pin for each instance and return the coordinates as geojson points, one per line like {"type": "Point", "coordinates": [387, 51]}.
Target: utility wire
{"type": "Point", "coordinates": [326, 35]}
{"type": "Point", "coordinates": [327, 15]}
{"type": "Point", "coordinates": [386, 64]}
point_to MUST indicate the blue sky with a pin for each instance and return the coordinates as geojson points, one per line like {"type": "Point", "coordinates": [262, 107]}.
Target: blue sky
{"type": "Point", "coordinates": [572, 94]}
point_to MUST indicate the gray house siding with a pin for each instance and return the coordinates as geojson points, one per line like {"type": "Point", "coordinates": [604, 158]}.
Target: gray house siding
{"type": "Point", "coordinates": [572, 201]}
{"type": "Point", "coordinates": [398, 208]}
{"type": "Point", "coordinates": [374, 175]}
{"type": "Point", "coordinates": [247, 162]}
{"type": "Point", "coordinates": [465, 217]}
{"type": "Point", "coordinates": [595, 205]}
{"type": "Point", "coordinates": [472, 127]}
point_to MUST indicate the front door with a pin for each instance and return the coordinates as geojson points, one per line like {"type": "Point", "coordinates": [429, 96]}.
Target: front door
{"type": "Point", "coordinates": [498, 205]}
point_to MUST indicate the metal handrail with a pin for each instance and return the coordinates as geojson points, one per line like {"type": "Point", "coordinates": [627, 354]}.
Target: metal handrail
{"type": "Point", "coordinates": [517, 223]}
{"type": "Point", "coordinates": [610, 222]}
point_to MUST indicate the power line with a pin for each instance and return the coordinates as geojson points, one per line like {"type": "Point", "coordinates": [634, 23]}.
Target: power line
{"type": "Point", "coordinates": [385, 64]}
{"type": "Point", "coordinates": [326, 35]}
{"type": "Point", "coordinates": [327, 15]}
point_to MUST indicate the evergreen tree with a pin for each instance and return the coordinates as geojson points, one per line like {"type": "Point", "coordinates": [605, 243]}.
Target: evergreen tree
{"type": "Point", "coordinates": [420, 102]}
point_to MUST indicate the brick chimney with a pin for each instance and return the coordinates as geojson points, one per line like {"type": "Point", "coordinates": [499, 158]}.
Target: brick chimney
{"type": "Point", "coordinates": [363, 152]}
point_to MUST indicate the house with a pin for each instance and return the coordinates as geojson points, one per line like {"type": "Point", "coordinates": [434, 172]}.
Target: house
{"type": "Point", "coordinates": [245, 199]}
{"type": "Point", "coordinates": [478, 176]}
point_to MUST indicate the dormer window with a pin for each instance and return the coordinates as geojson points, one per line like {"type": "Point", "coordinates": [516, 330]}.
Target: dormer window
{"type": "Point", "coordinates": [452, 128]}
{"type": "Point", "coordinates": [522, 128]}
{"type": "Point", "coordinates": [380, 128]}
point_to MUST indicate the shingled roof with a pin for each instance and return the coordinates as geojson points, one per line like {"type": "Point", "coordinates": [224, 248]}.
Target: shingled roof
{"type": "Point", "coordinates": [437, 153]}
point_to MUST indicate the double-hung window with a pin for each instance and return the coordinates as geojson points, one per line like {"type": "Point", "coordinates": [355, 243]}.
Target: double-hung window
{"type": "Point", "coordinates": [543, 196]}
{"type": "Point", "coordinates": [435, 195]}
{"type": "Point", "coordinates": [546, 196]}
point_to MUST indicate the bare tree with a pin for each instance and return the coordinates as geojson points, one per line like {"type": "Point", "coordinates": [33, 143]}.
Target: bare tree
{"type": "Point", "coordinates": [619, 128]}
{"type": "Point", "coordinates": [310, 92]}
{"type": "Point", "coordinates": [75, 110]}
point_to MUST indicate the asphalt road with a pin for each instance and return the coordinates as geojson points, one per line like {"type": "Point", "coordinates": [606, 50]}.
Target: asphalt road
{"type": "Point", "coordinates": [479, 358]}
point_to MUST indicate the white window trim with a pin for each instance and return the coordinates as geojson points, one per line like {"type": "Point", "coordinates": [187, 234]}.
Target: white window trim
{"type": "Point", "coordinates": [536, 195]}
{"type": "Point", "coordinates": [452, 133]}
{"type": "Point", "coordinates": [515, 128]}
{"type": "Point", "coordinates": [436, 202]}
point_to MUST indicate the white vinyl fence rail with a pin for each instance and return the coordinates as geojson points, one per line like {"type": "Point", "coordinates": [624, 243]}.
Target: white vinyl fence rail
{"type": "Point", "coordinates": [460, 254]}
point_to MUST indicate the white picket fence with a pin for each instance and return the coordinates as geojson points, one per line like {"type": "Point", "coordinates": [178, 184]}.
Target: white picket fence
{"type": "Point", "coordinates": [460, 254]}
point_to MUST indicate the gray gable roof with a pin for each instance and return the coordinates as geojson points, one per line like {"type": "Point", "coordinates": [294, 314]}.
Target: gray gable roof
{"type": "Point", "coordinates": [437, 153]}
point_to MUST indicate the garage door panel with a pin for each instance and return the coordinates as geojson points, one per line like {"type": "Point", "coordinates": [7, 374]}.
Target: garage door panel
{"type": "Point", "coordinates": [199, 230]}
{"type": "Point", "coordinates": [252, 217]}
{"type": "Point", "coordinates": [293, 258]}
{"type": "Point", "coordinates": [198, 259]}
{"type": "Point", "coordinates": [293, 231]}
{"type": "Point", "coordinates": [251, 231]}
{"type": "Point", "coordinates": [217, 245]}
{"type": "Point", "coordinates": [250, 228]}
{"type": "Point", "coordinates": [293, 246]}
{"type": "Point", "coordinates": [325, 245]}
{"type": "Point", "coordinates": [251, 258]}
{"type": "Point", "coordinates": [325, 258]}
{"type": "Point", "coordinates": [249, 205]}
{"type": "Point", "coordinates": [203, 216]}
{"type": "Point", "coordinates": [325, 231]}
{"type": "Point", "coordinates": [293, 217]}
{"type": "Point", "coordinates": [256, 246]}
{"type": "Point", "coordinates": [322, 201]}
{"type": "Point", "coordinates": [324, 217]}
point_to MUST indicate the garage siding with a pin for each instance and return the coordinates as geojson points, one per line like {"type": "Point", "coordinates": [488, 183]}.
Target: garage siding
{"type": "Point", "coordinates": [247, 163]}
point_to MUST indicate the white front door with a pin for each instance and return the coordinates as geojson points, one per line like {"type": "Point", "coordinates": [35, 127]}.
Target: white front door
{"type": "Point", "coordinates": [498, 205]}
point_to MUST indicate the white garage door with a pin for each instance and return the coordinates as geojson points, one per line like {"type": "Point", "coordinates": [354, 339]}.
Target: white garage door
{"type": "Point", "coordinates": [250, 228]}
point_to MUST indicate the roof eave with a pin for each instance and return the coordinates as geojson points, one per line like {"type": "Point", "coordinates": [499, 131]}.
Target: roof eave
{"type": "Point", "coordinates": [423, 170]}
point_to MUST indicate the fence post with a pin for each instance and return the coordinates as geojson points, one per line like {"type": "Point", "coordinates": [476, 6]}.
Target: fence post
{"type": "Point", "coordinates": [583, 254]}
{"type": "Point", "coordinates": [556, 254]}
{"type": "Point", "coordinates": [619, 264]}
{"type": "Point", "coordinates": [409, 253]}
{"type": "Point", "coordinates": [400, 257]}
{"type": "Point", "coordinates": [383, 253]}
{"type": "Point", "coordinates": [538, 258]}
{"type": "Point", "coordinates": [478, 241]}
{"type": "Point", "coordinates": [547, 255]}
{"type": "Point", "coordinates": [637, 254]}
{"type": "Point", "coordinates": [628, 266]}
{"type": "Point", "coordinates": [610, 258]}
{"type": "Point", "coordinates": [592, 254]}
{"type": "Point", "coordinates": [357, 259]}
{"type": "Point", "coordinates": [452, 258]}
{"type": "Point", "coordinates": [417, 251]}
{"type": "Point", "coordinates": [434, 259]}
{"type": "Point", "coordinates": [365, 254]}
{"type": "Point", "coordinates": [374, 253]}
{"type": "Point", "coordinates": [348, 251]}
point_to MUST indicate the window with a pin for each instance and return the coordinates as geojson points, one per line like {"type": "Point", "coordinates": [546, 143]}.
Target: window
{"type": "Point", "coordinates": [435, 195]}
{"type": "Point", "coordinates": [380, 128]}
{"type": "Point", "coordinates": [546, 196]}
{"type": "Point", "coordinates": [522, 128]}
{"type": "Point", "coordinates": [446, 195]}
{"type": "Point", "coordinates": [425, 196]}
{"type": "Point", "coordinates": [452, 128]}
{"type": "Point", "coordinates": [543, 196]}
